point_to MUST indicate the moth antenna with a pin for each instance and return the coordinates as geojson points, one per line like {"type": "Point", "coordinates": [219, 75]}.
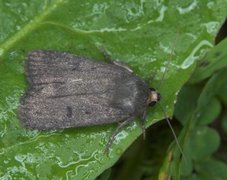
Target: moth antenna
{"type": "Point", "coordinates": [106, 55]}
{"type": "Point", "coordinates": [168, 62]}
{"type": "Point", "coordinates": [143, 124]}
{"type": "Point", "coordinates": [163, 110]}
{"type": "Point", "coordinates": [173, 132]}
{"type": "Point", "coordinates": [166, 70]}
{"type": "Point", "coordinates": [144, 131]}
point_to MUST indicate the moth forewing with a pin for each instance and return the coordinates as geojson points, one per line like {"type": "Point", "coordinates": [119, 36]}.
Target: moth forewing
{"type": "Point", "coordinates": [69, 91]}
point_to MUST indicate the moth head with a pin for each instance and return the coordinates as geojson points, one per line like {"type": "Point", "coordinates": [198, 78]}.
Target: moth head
{"type": "Point", "coordinates": [154, 97]}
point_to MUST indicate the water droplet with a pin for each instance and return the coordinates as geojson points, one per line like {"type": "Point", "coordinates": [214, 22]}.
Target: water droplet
{"type": "Point", "coordinates": [121, 135]}
{"type": "Point", "coordinates": [119, 151]}
{"type": "Point", "coordinates": [210, 4]}
{"type": "Point", "coordinates": [184, 10]}
{"type": "Point", "coordinates": [211, 27]}
{"type": "Point", "coordinates": [198, 115]}
{"type": "Point", "coordinates": [18, 27]}
{"type": "Point", "coordinates": [177, 93]}
{"type": "Point", "coordinates": [1, 51]}
{"type": "Point", "coordinates": [6, 161]}
{"type": "Point", "coordinates": [161, 14]}
{"type": "Point", "coordinates": [192, 57]}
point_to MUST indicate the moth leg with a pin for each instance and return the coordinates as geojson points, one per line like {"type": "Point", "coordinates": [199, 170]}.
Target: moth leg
{"type": "Point", "coordinates": [143, 124]}
{"type": "Point", "coordinates": [122, 65]}
{"type": "Point", "coordinates": [107, 56]}
{"type": "Point", "coordinates": [112, 137]}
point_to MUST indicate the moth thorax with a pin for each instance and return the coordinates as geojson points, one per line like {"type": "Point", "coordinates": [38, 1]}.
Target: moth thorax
{"type": "Point", "coordinates": [153, 98]}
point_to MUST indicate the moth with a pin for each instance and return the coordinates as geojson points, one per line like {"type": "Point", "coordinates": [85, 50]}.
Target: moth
{"type": "Point", "coordinates": [68, 91]}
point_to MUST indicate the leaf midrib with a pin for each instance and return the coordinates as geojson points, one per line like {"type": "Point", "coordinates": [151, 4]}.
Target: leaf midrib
{"type": "Point", "coordinates": [34, 23]}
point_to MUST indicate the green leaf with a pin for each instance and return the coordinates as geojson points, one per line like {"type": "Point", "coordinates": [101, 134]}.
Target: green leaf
{"type": "Point", "coordinates": [212, 62]}
{"type": "Point", "coordinates": [211, 88]}
{"type": "Point", "coordinates": [210, 113]}
{"type": "Point", "coordinates": [209, 169]}
{"type": "Point", "coordinates": [222, 93]}
{"type": "Point", "coordinates": [224, 123]}
{"type": "Point", "coordinates": [198, 142]}
{"type": "Point", "coordinates": [203, 142]}
{"type": "Point", "coordinates": [149, 36]}
{"type": "Point", "coordinates": [186, 103]}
